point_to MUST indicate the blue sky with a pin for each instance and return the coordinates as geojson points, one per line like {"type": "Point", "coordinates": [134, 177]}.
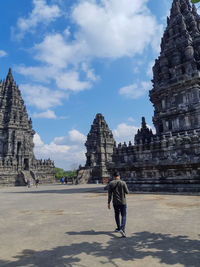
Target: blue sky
{"type": "Point", "coordinates": [73, 59]}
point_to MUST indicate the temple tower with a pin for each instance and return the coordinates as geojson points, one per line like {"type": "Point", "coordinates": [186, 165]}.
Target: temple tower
{"type": "Point", "coordinates": [99, 145]}
{"type": "Point", "coordinates": [17, 160]}
{"type": "Point", "coordinates": [16, 134]}
{"type": "Point", "coordinates": [144, 135]}
{"type": "Point", "coordinates": [176, 73]}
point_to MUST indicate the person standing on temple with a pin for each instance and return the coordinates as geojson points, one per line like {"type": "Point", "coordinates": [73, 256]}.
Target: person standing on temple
{"type": "Point", "coordinates": [117, 191]}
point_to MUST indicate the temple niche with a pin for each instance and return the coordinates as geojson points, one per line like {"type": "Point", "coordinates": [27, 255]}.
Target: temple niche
{"type": "Point", "coordinates": [17, 160]}
{"type": "Point", "coordinates": [169, 160]}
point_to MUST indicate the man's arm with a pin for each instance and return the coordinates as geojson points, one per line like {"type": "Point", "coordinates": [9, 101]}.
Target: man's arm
{"type": "Point", "coordinates": [109, 196]}
{"type": "Point", "coordinates": [126, 188]}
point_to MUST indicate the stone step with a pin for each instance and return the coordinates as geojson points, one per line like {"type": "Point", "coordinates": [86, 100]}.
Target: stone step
{"type": "Point", "coordinates": [7, 180]}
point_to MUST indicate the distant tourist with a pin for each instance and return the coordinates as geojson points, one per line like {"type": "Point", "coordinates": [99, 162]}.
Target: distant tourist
{"type": "Point", "coordinates": [62, 180]}
{"type": "Point", "coordinates": [66, 180]}
{"type": "Point", "coordinates": [36, 182]}
{"type": "Point", "coordinates": [117, 191]}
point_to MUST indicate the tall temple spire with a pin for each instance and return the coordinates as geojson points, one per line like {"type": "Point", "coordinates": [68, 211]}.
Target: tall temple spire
{"type": "Point", "coordinates": [16, 137]}
{"type": "Point", "coordinates": [180, 38]}
{"type": "Point", "coordinates": [100, 145]}
{"type": "Point", "coordinates": [12, 105]}
{"type": "Point", "coordinates": [176, 73]}
{"type": "Point", "coordinates": [9, 78]}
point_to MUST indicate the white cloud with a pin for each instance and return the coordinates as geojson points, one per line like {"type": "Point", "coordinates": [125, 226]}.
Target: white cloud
{"type": "Point", "coordinates": [65, 79]}
{"type": "Point", "coordinates": [54, 50]}
{"type": "Point", "coordinates": [41, 13]}
{"type": "Point", "coordinates": [76, 136]}
{"type": "Point", "coordinates": [146, 85]}
{"type": "Point", "coordinates": [61, 140]}
{"type": "Point", "coordinates": [67, 32]}
{"type": "Point", "coordinates": [135, 70]}
{"type": "Point", "coordinates": [70, 81]}
{"type": "Point", "coordinates": [37, 140]}
{"type": "Point", "coordinates": [149, 69]}
{"type": "Point", "coordinates": [49, 114]}
{"type": "Point", "coordinates": [135, 91]}
{"type": "Point", "coordinates": [64, 155]}
{"type": "Point", "coordinates": [131, 119]}
{"type": "Point", "coordinates": [42, 74]}
{"type": "Point", "coordinates": [42, 97]}
{"type": "Point", "coordinates": [115, 28]}
{"type": "Point", "coordinates": [3, 53]}
{"type": "Point", "coordinates": [89, 72]}
{"type": "Point", "coordinates": [125, 132]}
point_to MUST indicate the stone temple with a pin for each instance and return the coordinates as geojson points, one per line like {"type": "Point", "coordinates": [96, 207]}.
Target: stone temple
{"type": "Point", "coordinates": [17, 160]}
{"type": "Point", "coordinates": [168, 161]}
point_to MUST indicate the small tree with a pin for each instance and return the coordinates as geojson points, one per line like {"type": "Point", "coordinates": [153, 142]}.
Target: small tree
{"type": "Point", "coordinates": [59, 173]}
{"type": "Point", "coordinates": [62, 173]}
{"type": "Point", "coordinates": [70, 174]}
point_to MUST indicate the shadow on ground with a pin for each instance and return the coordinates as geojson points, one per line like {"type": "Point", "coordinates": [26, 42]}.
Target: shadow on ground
{"type": "Point", "coordinates": [167, 249]}
{"type": "Point", "coordinates": [66, 190]}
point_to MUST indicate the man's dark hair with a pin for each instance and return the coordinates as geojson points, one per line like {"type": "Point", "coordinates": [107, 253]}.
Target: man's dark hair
{"type": "Point", "coordinates": [115, 174]}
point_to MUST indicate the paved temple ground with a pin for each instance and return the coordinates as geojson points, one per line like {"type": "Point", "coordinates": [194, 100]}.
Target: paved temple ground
{"type": "Point", "coordinates": [69, 225]}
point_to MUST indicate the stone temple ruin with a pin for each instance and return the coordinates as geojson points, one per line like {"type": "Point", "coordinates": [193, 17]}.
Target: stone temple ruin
{"type": "Point", "coordinates": [17, 160]}
{"type": "Point", "coordinates": [168, 161]}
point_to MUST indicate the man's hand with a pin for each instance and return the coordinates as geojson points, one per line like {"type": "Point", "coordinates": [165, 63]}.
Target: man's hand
{"type": "Point", "coordinates": [109, 206]}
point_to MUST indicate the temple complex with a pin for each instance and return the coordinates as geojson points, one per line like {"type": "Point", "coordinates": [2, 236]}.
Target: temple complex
{"type": "Point", "coordinates": [169, 160]}
{"type": "Point", "coordinates": [17, 160]}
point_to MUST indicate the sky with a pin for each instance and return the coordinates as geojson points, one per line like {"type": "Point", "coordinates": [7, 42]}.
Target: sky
{"type": "Point", "coordinates": [73, 59]}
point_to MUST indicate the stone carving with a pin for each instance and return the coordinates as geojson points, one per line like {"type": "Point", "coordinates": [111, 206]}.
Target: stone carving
{"type": "Point", "coordinates": [167, 161]}
{"type": "Point", "coordinates": [16, 139]}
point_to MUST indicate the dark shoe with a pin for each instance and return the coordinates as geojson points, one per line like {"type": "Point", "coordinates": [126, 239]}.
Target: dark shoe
{"type": "Point", "coordinates": [122, 233]}
{"type": "Point", "coordinates": [117, 230]}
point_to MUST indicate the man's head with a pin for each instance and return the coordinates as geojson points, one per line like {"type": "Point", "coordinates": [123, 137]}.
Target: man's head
{"type": "Point", "coordinates": [116, 175]}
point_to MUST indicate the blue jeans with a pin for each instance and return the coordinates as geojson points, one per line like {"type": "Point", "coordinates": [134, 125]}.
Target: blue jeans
{"type": "Point", "coordinates": [120, 209]}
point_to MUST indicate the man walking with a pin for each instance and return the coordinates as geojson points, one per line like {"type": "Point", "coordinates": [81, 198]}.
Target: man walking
{"type": "Point", "coordinates": [117, 191]}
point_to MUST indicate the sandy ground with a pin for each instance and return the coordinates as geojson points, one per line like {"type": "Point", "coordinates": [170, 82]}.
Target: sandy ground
{"type": "Point", "coordinates": [70, 225]}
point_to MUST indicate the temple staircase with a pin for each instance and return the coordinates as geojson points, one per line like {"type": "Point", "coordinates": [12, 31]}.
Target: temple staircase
{"type": "Point", "coordinates": [83, 176]}
{"type": "Point", "coordinates": [23, 177]}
